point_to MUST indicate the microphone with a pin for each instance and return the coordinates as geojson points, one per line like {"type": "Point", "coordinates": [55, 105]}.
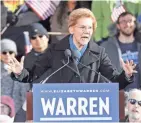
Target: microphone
{"type": "Point", "coordinates": [75, 56]}
{"type": "Point", "coordinates": [74, 70]}
{"type": "Point", "coordinates": [68, 55]}
{"type": "Point", "coordinates": [70, 68]}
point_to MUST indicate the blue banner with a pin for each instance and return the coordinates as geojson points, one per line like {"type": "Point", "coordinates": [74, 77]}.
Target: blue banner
{"type": "Point", "coordinates": [76, 102]}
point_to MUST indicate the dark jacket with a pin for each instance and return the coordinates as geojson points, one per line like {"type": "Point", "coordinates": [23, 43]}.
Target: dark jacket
{"type": "Point", "coordinates": [30, 59]}
{"type": "Point", "coordinates": [94, 57]}
{"type": "Point", "coordinates": [29, 64]}
{"type": "Point", "coordinates": [112, 48]}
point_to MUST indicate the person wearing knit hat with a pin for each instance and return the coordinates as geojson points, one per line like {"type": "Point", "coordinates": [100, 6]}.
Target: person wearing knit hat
{"type": "Point", "coordinates": [7, 112]}
{"type": "Point", "coordinates": [37, 29]}
{"type": "Point", "coordinates": [11, 87]}
{"type": "Point", "coordinates": [8, 50]}
{"type": "Point", "coordinates": [38, 37]}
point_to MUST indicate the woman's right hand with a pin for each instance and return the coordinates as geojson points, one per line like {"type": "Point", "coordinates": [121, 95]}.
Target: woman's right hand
{"type": "Point", "coordinates": [15, 66]}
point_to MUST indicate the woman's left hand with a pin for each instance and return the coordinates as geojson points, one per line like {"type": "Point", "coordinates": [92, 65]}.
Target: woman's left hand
{"type": "Point", "coordinates": [128, 67]}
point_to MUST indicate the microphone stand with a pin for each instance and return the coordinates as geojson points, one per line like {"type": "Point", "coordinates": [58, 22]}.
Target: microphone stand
{"type": "Point", "coordinates": [77, 72]}
{"type": "Point", "coordinates": [98, 73]}
{"type": "Point", "coordinates": [44, 81]}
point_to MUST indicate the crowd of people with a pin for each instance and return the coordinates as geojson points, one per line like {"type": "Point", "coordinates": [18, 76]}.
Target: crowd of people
{"type": "Point", "coordinates": [112, 49]}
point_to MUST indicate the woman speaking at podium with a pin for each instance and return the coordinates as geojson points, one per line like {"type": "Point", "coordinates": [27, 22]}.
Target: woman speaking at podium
{"type": "Point", "coordinates": [91, 65]}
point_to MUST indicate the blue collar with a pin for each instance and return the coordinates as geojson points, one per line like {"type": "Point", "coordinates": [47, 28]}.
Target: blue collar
{"type": "Point", "coordinates": [73, 47]}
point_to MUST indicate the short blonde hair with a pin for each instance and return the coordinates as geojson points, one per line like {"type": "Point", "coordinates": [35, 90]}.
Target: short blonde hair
{"type": "Point", "coordinates": [79, 13]}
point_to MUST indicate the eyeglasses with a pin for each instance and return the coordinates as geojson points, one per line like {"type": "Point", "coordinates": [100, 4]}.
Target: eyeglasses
{"type": "Point", "coordinates": [34, 37]}
{"type": "Point", "coordinates": [126, 21]}
{"type": "Point", "coordinates": [5, 52]}
{"type": "Point", "coordinates": [133, 102]}
{"type": "Point", "coordinates": [84, 28]}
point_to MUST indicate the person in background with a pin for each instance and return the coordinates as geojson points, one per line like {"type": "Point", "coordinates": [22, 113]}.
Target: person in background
{"type": "Point", "coordinates": [12, 7]}
{"type": "Point", "coordinates": [59, 21]}
{"type": "Point", "coordinates": [39, 40]}
{"type": "Point", "coordinates": [82, 24]}
{"type": "Point", "coordinates": [104, 17]}
{"type": "Point", "coordinates": [7, 112]}
{"type": "Point", "coordinates": [10, 87]}
{"type": "Point", "coordinates": [133, 106]}
{"type": "Point", "coordinates": [18, 23]}
{"type": "Point", "coordinates": [126, 44]}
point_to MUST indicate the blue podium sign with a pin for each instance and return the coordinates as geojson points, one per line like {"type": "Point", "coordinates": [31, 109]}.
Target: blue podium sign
{"type": "Point", "coordinates": [76, 102]}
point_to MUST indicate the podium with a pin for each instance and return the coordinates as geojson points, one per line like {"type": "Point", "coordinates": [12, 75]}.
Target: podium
{"type": "Point", "coordinates": [29, 113]}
